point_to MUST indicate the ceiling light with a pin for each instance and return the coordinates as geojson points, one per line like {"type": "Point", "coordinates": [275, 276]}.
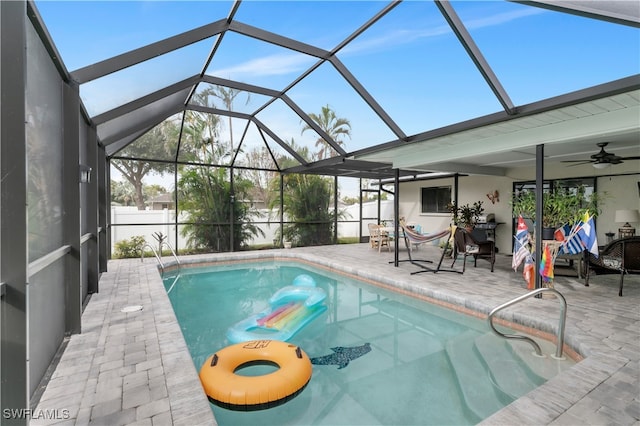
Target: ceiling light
{"type": "Point", "coordinates": [600, 165]}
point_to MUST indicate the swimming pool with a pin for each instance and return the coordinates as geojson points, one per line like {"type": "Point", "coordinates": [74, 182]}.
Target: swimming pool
{"type": "Point", "coordinates": [427, 364]}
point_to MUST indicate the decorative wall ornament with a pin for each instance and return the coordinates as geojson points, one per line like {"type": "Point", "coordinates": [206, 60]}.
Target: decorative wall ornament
{"type": "Point", "coordinates": [495, 197]}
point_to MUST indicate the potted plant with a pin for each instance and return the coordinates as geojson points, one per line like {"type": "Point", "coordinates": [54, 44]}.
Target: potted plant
{"type": "Point", "coordinates": [555, 209]}
{"type": "Point", "coordinates": [559, 207]}
{"type": "Point", "coordinates": [466, 215]}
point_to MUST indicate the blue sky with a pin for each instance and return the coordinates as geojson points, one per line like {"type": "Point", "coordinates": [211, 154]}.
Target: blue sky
{"type": "Point", "coordinates": [409, 61]}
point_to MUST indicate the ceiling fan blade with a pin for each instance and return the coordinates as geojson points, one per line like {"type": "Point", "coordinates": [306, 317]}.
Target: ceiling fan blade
{"type": "Point", "coordinates": [601, 158]}
{"type": "Point", "coordinates": [578, 162]}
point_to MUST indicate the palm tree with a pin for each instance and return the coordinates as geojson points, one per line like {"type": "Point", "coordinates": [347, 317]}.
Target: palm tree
{"type": "Point", "coordinates": [200, 138]}
{"type": "Point", "coordinates": [205, 192]}
{"type": "Point", "coordinates": [333, 126]}
{"type": "Point", "coordinates": [228, 96]}
{"type": "Point", "coordinates": [205, 196]}
{"type": "Point", "coordinates": [306, 203]}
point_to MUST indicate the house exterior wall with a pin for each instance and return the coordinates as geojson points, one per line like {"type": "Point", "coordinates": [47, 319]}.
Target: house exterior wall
{"type": "Point", "coordinates": [471, 189]}
{"type": "Point", "coordinates": [619, 191]}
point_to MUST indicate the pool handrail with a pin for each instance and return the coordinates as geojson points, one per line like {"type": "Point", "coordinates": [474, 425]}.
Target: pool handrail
{"type": "Point", "coordinates": [155, 253]}
{"type": "Point", "coordinates": [162, 240]}
{"type": "Point", "coordinates": [561, 324]}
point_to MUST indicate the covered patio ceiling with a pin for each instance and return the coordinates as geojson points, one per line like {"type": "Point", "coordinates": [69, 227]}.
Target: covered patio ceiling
{"type": "Point", "coordinates": [569, 132]}
{"type": "Point", "coordinates": [481, 121]}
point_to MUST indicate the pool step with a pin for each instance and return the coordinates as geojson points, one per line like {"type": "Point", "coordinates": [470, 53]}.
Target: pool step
{"type": "Point", "coordinates": [546, 367]}
{"type": "Point", "coordinates": [510, 374]}
{"type": "Point", "coordinates": [481, 396]}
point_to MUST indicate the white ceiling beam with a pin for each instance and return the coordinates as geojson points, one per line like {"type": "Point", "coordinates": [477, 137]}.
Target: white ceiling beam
{"type": "Point", "coordinates": [452, 167]}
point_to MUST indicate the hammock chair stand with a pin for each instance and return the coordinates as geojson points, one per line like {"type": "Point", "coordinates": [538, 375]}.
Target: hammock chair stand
{"type": "Point", "coordinates": [410, 237]}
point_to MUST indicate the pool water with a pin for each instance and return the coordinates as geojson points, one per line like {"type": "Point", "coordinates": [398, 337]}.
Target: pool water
{"type": "Point", "coordinates": [427, 364]}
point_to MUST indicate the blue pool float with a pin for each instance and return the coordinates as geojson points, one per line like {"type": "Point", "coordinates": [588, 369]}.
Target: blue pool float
{"type": "Point", "coordinates": [290, 309]}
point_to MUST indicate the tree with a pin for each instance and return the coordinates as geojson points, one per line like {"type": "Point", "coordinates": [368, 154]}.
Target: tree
{"type": "Point", "coordinates": [154, 190]}
{"type": "Point", "coordinates": [261, 172]}
{"type": "Point", "coordinates": [200, 138]}
{"type": "Point", "coordinates": [159, 142]}
{"type": "Point", "coordinates": [306, 200]}
{"type": "Point", "coordinates": [201, 134]}
{"type": "Point", "coordinates": [333, 126]}
{"type": "Point", "coordinates": [206, 195]}
{"type": "Point", "coordinates": [228, 95]}
{"type": "Point", "coordinates": [122, 192]}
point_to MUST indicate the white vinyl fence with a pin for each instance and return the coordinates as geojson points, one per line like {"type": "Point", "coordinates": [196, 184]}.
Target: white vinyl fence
{"type": "Point", "coordinates": [129, 222]}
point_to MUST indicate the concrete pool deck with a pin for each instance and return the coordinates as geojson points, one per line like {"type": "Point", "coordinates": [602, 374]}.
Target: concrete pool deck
{"type": "Point", "coordinates": [134, 368]}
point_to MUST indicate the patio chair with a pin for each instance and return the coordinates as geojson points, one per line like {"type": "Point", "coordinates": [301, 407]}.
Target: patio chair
{"type": "Point", "coordinates": [412, 237]}
{"type": "Point", "coordinates": [621, 255]}
{"type": "Point", "coordinates": [377, 238]}
{"type": "Point", "coordinates": [463, 242]}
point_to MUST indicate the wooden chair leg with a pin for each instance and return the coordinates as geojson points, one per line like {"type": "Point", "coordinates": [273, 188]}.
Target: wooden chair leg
{"type": "Point", "coordinates": [621, 282]}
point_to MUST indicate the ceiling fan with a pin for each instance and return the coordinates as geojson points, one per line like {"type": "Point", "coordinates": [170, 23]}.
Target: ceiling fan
{"type": "Point", "coordinates": [603, 158]}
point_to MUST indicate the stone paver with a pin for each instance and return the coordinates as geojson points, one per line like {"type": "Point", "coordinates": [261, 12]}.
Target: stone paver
{"type": "Point", "coordinates": [112, 373]}
{"type": "Point", "coordinates": [134, 368]}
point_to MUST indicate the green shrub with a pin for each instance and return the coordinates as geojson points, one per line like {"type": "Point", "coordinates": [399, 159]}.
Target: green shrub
{"type": "Point", "coordinates": [129, 248]}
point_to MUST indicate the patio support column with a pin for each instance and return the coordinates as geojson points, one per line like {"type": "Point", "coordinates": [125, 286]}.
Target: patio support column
{"type": "Point", "coordinates": [71, 202]}
{"type": "Point", "coordinates": [106, 199]}
{"type": "Point", "coordinates": [175, 205]}
{"type": "Point", "coordinates": [13, 212]}
{"type": "Point", "coordinates": [103, 210]}
{"type": "Point", "coordinates": [455, 188]}
{"type": "Point", "coordinates": [396, 217]}
{"type": "Point", "coordinates": [91, 200]}
{"type": "Point", "coordinates": [539, 206]}
{"type": "Point", "coordinates": [281, 209]}
{"type": "Point", "coordinates": [335, 210]}
{"type": "Point", "coordinates": [360, 210]}
{"type": "Point", "coordinates": [232, 203]}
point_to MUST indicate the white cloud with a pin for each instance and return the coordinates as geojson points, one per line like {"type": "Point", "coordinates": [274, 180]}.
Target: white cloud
{"type": "Point", "coordinates": [502, 18]}
{"type": "Point", "coordinates": [399, 37]}
{"type": "Point", "coordinates": [280, 64]}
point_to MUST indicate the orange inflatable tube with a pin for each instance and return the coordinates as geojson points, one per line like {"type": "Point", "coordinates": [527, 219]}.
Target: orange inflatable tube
{"type": "Point", "coordinates": [249, 393]}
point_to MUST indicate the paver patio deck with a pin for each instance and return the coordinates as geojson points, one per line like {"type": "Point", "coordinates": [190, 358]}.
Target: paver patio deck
{"type": "Point", "coordinates": [134, 368]}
